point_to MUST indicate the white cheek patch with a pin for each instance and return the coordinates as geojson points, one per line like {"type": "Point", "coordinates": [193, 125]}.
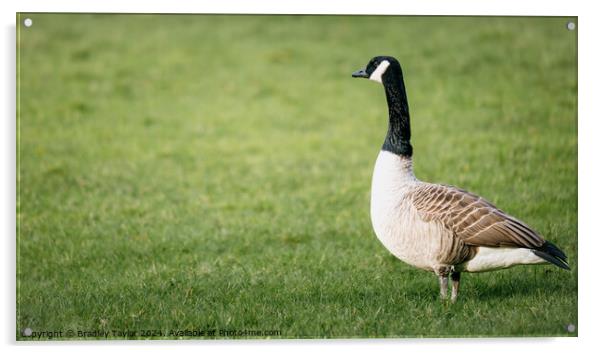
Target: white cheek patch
{"type": "Point", "coordinates": [377, 74]}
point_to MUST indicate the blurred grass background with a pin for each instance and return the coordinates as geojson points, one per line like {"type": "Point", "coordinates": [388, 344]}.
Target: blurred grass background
{"type": "Point", "coordinates": [187, 171]}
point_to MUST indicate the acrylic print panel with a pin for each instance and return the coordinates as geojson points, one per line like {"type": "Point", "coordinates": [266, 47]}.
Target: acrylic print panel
{"type": "Point", "coordinates": [210, 176]}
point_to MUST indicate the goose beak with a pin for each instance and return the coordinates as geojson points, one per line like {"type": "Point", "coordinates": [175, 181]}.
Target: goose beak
{"type": "Point", "coordinates": [360, 73]}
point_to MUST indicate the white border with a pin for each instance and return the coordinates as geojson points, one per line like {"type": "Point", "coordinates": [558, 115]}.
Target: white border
{"type": "Point", "coordinates": [375, 7]}
{"type": "Point", "coordinates": [589, 126]}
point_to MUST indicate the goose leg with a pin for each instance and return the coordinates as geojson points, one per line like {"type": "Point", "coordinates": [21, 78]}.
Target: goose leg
{"type": "Point", "coordinates": [455, 285]}
{"type": "Point", "coordinates": [443, 274]}
{"type": "Point", "coordinates": [443, 281]}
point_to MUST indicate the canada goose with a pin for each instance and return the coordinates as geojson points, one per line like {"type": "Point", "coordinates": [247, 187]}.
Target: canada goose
{"type": "Point", "coordinates": [436, 227]}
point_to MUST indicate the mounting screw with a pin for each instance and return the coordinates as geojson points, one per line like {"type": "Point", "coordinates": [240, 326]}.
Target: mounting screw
{"type": "Point", "coordinates": [570, 25]}
{"type": "Point", "coordinates": [28, 22]}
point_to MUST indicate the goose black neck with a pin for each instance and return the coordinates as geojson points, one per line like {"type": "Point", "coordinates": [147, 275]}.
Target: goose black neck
{"type": "Point", "coordinates": [397, 140]}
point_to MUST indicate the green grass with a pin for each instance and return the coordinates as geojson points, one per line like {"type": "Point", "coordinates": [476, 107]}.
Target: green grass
{"type": "Point", "coordinates": [213, 172]}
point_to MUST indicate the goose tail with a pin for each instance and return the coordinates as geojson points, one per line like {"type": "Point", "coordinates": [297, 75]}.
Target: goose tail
{"type": "Point", "coordinates": [551, 253]}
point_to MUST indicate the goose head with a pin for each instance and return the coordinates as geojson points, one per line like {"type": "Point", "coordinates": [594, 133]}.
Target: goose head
{"type": "Point", "coordinates": [380, 69]}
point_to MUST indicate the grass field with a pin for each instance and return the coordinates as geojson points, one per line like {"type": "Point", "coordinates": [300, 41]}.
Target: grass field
{"type": "Point", "coordinates": [213, 172]}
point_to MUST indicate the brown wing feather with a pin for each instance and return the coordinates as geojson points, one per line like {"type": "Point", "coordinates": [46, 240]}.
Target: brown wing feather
{"type": "Point", "coordinates": [476, 221]}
